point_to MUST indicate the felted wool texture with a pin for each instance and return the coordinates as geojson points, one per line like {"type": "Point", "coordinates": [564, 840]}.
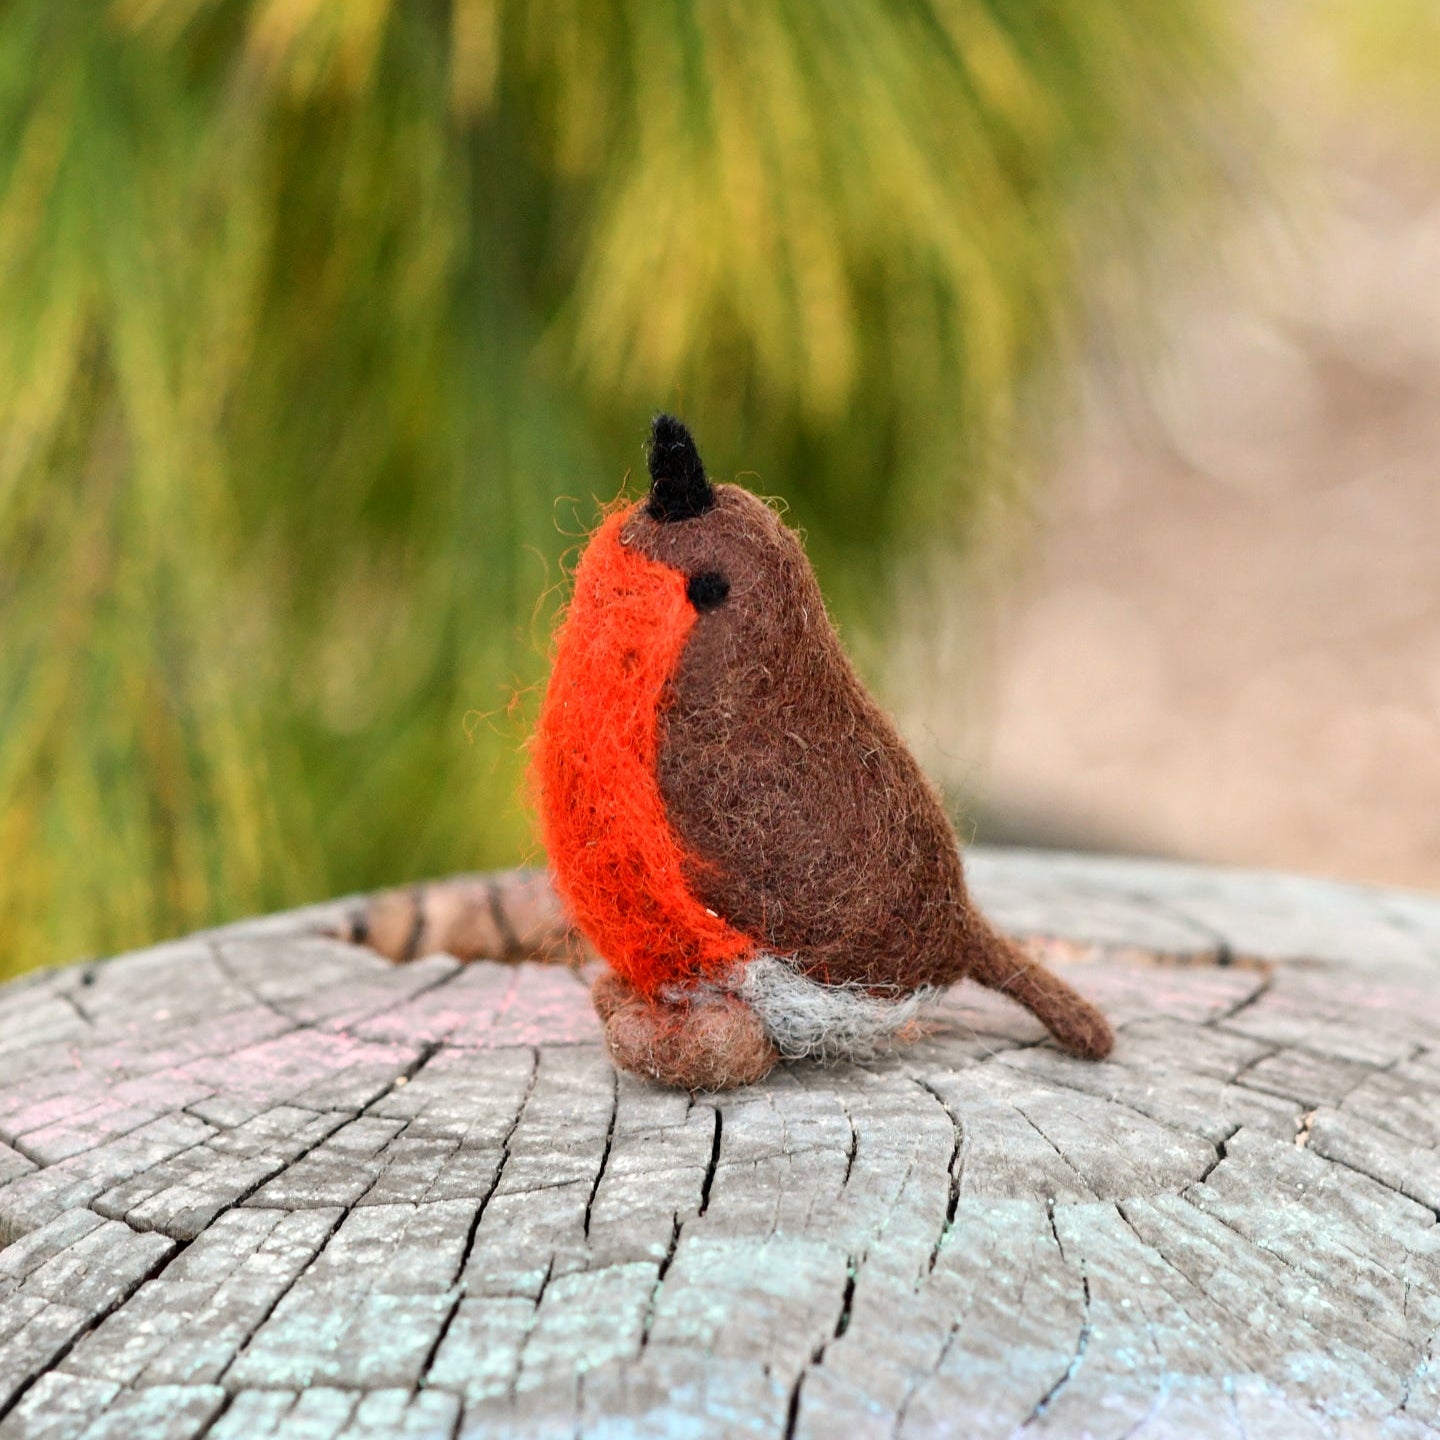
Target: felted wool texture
{"type": "Point", "coordinates": [823, 839]}
{"type": "Point", "coordinates": [825, 1022]}
{"type": "Point", "coordinates": [806, 822]}
{"type": "Point", "coordinates": [624, 875]}
{"type": "Point", "coordinates": [704, 1040]}
{"type": "Point", "coordinates": [1076, 1024]}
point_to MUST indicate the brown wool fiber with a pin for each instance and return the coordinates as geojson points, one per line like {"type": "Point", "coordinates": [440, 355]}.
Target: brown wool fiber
{"type": "Point", "coordinates": [800, 820]}
{"type": "Point", "coordinates": [825, 840]}
{"type": "Point", "coordinates": [709, 1041]}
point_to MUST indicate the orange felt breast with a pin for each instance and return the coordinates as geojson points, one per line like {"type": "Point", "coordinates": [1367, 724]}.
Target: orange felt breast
{"type": "Point", "coordinates": [617, 863]}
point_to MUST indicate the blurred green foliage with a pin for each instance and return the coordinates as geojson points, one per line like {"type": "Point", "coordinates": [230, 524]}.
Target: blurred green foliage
{"type": "Point", "coordinates": [323, 323]}
{"type": "Point", "coordinates": [1386, 55]}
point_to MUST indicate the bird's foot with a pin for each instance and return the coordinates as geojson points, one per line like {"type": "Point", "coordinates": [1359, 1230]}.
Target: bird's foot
{"type": "Point", "coordinates": [708, 1041]}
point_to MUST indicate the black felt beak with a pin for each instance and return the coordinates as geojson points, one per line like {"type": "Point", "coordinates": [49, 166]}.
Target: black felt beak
{"type": "Point", "coordinates": [679, 489]}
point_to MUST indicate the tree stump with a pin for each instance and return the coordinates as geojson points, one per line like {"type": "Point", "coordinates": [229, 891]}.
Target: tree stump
{"type": "Point", "coordinates": [262, 1183]}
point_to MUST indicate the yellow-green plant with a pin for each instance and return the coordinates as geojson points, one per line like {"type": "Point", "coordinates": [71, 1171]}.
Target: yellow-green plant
{"type": "Point", "coordinates": [323, 323]}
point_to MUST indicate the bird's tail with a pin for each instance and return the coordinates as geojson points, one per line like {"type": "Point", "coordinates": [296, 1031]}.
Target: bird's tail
{"type": "Point", "coordinates": [508, 915]}
{"type": "Point", "coordinates": [1000, 964]}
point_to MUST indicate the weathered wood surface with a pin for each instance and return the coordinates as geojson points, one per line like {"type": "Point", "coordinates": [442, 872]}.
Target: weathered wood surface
{"type": "Point", "coordinates": [258, 1184]}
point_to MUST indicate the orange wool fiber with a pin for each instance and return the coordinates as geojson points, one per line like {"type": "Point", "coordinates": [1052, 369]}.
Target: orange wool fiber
{"type": "Point", "coordinates": [617, 863]}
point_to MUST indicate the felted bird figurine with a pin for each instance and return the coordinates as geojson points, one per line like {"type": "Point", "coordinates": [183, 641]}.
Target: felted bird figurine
{"type": "Point", "coordinates": [730, 818]}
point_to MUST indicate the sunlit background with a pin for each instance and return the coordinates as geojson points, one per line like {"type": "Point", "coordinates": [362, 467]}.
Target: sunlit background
{"type": "Point", "coordinates": [1217, 635]}
{"type": "Point", "coordinates": [1095, 346]}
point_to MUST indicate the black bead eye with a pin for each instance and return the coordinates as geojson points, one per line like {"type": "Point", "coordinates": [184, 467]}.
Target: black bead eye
{"type": "Point", "coordinates": [707, 590]}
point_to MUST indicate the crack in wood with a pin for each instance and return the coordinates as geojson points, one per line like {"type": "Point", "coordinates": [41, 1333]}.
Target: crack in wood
{"type": "Point", "coordinates": [504, 1158]}
{"type": "Point", "coordinates": [1275, 1255]}
{"type": "Point", "coordinates": [241, 982]}
{"type": "Point", "coordinates": [714, 1163]}
{"type": "Point", "coordinates": [530, 1331]}
{"type": "Point", "coordinates": [1238, 1078]}
{"type": "Point", "coordinates": [847, 1301]}
{"type": "Point", "coordinates": [953, 1170]}
{"type": "Point", "coordinates": [1082, 1340]}
{"type": "Point", "coordinates": [226, 1401]}
{"type": "Point", "coordinates": [916, 1380]}
{"type": "Point", "coordinates": [605, 1154]}
{"type": "Point", "coordinates": [853, 1148]}
{"type": "Point", "coordinates": [647, 1322]}
{"type": "Point", "coordinates": [1261, 990]}
{"type": "Point", "coordinates": [842, 1319]}
{"type": "Point", "coordinates": [1358, 1169]}
{"type": "Point", "coordinates": [1223, 956]}
{"type": "Point", "coordinates": [18, 1145]}
{"type": "Point", "coordinates": [1221, 1153]}
{"type": "Point", "coordinates": [792, 1409]}
{"type": "Point", "coordinates": [1064, 1159]}
{"type": "Point", "coordinates": [438, 983]}
{"type": "Point", "coordinates": [429, 1361]}
{"type": "Point", "coordinates": [69, 998]}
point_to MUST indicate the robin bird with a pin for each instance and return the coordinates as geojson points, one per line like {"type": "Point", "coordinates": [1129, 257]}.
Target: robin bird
{"type": "Point", "coordinates": [730, 818]}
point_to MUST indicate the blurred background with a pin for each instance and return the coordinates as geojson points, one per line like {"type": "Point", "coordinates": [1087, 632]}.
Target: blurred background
{"type": "Point", "coordinates": [1094, 346]}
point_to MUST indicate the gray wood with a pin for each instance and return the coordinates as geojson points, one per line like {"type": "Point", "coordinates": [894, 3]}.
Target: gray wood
{"type": "Point", "coordinates": [262, 1183]}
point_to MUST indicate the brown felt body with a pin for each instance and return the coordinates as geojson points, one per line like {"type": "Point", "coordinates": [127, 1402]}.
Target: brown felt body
{"type": "Point", "coordinates": [812, 828]}
{"type": "Point", "coordinates": [817, 833]}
